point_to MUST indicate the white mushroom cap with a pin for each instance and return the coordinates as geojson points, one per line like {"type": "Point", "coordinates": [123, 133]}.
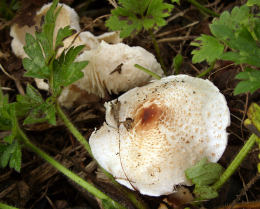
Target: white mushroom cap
{"type": "Point", "coordinates": [165, 127]}
{"type": "Point", "coordinates": [110, 37]}
{"type": "Point", "coordinates": [111, 69]}
{"type": "Point", "coordinates": [67, 16]}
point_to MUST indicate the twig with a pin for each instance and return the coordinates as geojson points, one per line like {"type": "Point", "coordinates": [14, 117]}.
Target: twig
{"type": "Point", "coordinates": [17, 82]}
{"type": "Point", "coordinates": [113, 3]}
{"type": "Point", "coordinates": [203, 9]}
{"type": "Point", "coordinates": [176, 30]}
{"type": "Point", "coordinates": [172, 39]}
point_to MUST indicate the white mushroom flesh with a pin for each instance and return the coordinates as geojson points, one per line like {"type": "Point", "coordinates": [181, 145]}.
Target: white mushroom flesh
{"type": "Point", "coordinates": [153, 133]}
{"type": "Point", "coordinates": [111, 68]}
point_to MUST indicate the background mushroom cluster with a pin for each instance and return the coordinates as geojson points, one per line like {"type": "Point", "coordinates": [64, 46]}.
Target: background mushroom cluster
{"type": "Point", "coordinates": [111, 63]}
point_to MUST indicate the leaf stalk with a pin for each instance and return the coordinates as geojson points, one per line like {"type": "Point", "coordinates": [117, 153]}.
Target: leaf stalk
{"type": "Point", "coordinates": [89, 187]}
{"type": "Point", "coordinates": [236, 162]}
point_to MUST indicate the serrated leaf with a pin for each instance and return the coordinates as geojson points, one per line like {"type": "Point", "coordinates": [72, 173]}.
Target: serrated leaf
{"type": "Point", "coordinates": [11, 153]}
{"type": "Point", "coordinates": [66, 71]}
{"type": "Point", "coordinates": [134, 15]}
{"type": "Point", "coordinates": [27, 102]}
{"type": "Point", "coordinates": [250, 81]}
{"type": "Point", "coordinates": [44, 112]}
{"type": "Point", "coordinates": [204, 172]}
{"type": "Point", "coordinates": [35, 65]}
{"type": "Point", "coordinates": [210, 49]}
{"type": "Point", "coordinates": [16, 157]}
{"type": "Point", "coordinates": [62, 34]}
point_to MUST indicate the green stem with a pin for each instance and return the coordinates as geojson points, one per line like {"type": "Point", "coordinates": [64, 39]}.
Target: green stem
{"type": "Point", "coordinates": [5, 206]}
{"type": "Point", "coordinates": [82, 140]}
{"type": "Point", "coordinates": [157, 51]}
{"type": "Point", "coordinates": [148, 71]}
{"type": "Point", "coordinates": [73, 129]}
{"type": "Point", "coordinates": [236, 162]}
{"type": "Point", "coordinates": [205, 72]}
{"type": "Point", "coordinates": [203, 9]}
{"type": "Point", "coordinates": [89, 187]}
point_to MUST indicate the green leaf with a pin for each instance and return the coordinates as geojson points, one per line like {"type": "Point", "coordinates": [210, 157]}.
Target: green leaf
{"type": "Point", "coordinates": [134, 15]}
{"type": "Point", "coordinates": [205, 192]}
{"type": "Point", "coordinates": [210, 49]}
{"type": "Point", "coordinates": [35, 65]}
{"type": "Point", "coordinates": [44, 112]}
{"type": "Point", "coordinates": [66, 71]}
{"type": "Point", "coordinates": [62, 34]}
{"type": "Point", "coordinates": [250, 81]}
{"type": "Point", "coordinates": [29, 101]}
{"type": "Point", "coordinates": [253, 2]}
{"type": "Point", "coordinates": [204, 172]}
{"type": "Point", "coordinates": [11, 153]}
{"type": "Point", "coordinates": [34, 108]}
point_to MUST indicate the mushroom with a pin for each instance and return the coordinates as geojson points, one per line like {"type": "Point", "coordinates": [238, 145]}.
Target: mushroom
{"type": "Point", "coordinates": [153, 133]}
{"type": "Point", "coordinates": [111, 71]}
{"type": "Point", "coordinates": [67, 16]}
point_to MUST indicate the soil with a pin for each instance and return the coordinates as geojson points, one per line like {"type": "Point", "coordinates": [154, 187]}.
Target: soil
{"type": "Point", "coordinates": [40, 186]}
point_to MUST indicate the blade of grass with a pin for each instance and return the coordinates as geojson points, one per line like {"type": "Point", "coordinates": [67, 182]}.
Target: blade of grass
{"type": "Point", "coordinates": [148, 71]}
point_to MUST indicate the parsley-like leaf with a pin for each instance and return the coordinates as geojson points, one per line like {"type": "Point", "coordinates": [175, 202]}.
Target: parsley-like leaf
{"type": "Point", "coordinates": [35, 64]}
{"type": "Point", "coordinates": [66, 71]}
{"type": "Point", "coordinates": [10, 150]}
{"type": "Point", "coordinates": [11, 153]}
{"type": "Point", "coordinates": [35, 108]}
{"type": "Point", "coordinates": [239, 32]}
{"type": "Point", "coordinates": [250, 81]}
{"type": "Point", "coordinates": [134, 15]}
{"type": "Point", "coordinates": [62, 34]}
{"type": "Point", "coordinates": [209, 49]}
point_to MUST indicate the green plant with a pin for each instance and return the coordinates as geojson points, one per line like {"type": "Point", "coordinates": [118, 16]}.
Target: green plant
{"type": "Point", "coordinates": [235, 37]}
{"type": "Point", "coordinates": [31, 108]}
{"type": "Point", "coordinates": [133, 15]}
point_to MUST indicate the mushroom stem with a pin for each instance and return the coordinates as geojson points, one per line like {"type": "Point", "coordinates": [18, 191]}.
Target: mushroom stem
{"type": "Point", "coordinates": [89, 187]}
{"type": "Point", "coordinates": [236, 162]}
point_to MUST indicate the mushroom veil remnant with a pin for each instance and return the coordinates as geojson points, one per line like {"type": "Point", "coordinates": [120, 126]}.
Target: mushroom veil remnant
{"type": "Point", "coordinates": [153, 133]}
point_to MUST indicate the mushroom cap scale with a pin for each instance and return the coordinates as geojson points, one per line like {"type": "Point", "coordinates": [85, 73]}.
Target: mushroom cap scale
{"type": "Point", "coordinates": [159, 131]}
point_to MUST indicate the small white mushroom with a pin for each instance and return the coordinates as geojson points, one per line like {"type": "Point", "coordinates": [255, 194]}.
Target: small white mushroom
{"type": "Point", "coordinates": [153, 133]}
{"type": "Point", "coordinates": [111, 70]}
{"type": "Point", "coordinates": [67, 16]}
